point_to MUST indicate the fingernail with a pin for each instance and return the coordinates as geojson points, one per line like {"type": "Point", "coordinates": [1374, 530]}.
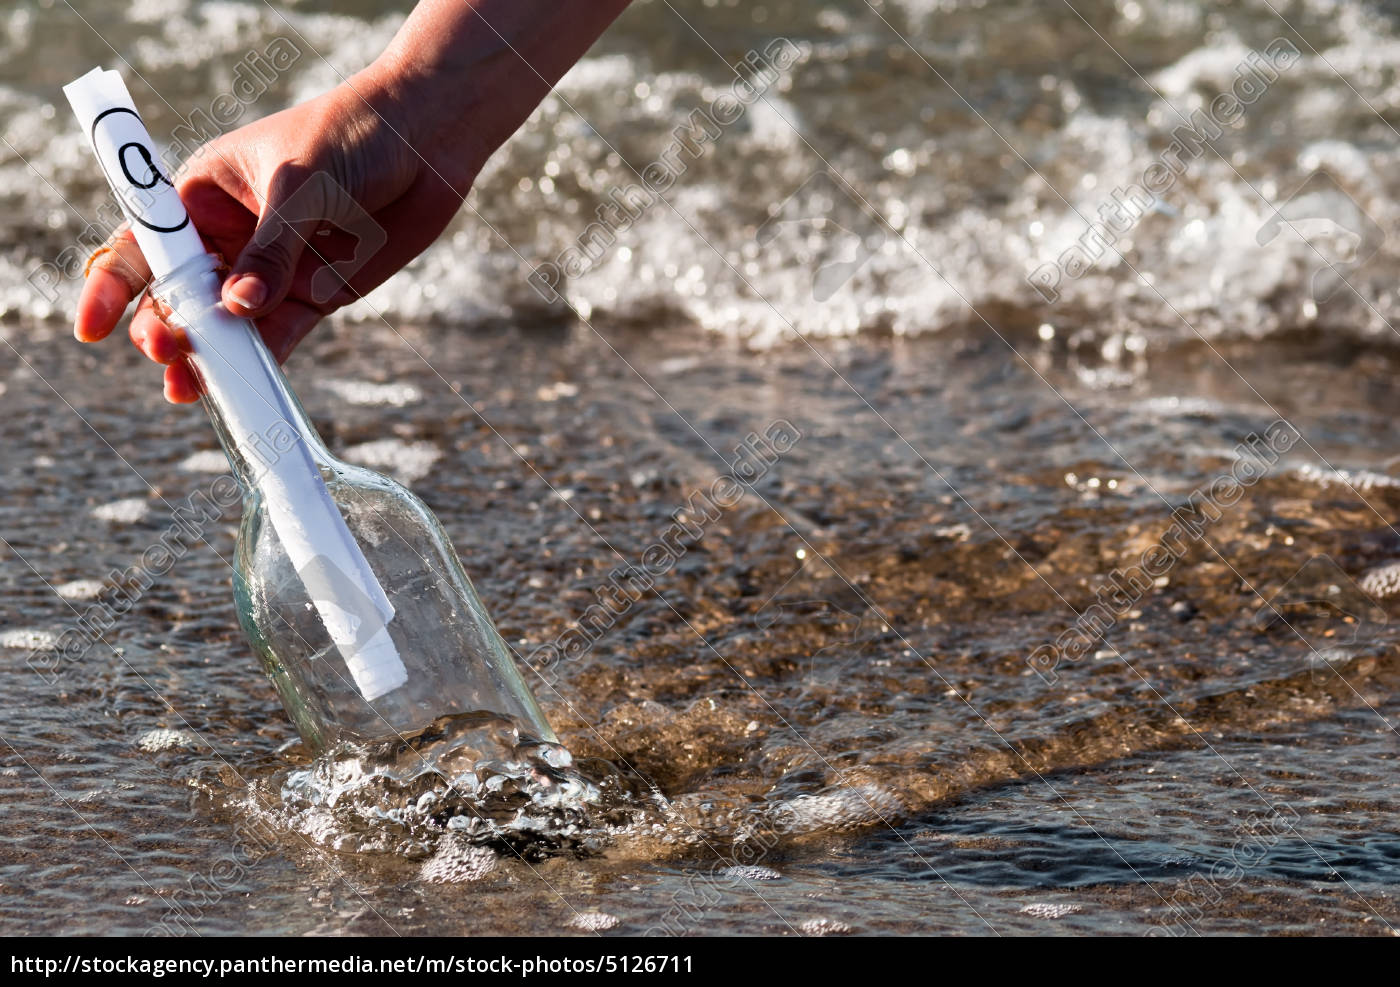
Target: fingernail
{"type": "Point", "coordinates": [249, 291]}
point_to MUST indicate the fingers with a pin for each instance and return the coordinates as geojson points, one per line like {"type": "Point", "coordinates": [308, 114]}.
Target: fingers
{"type": "Point", "coordinates": [116, 274]}
{"type": "Point", "coordinates": [354, 264]}
{"type": "Point", "coordinates": [282, 330]}
{"type": "Point", "coordinates": [153, 337]}
{"type": "Point", "coordinates": [181, 386]}
{"type": "Point", "coordinates": [158, 342]}
{"type": "Point", "coordinates": [297, 204]}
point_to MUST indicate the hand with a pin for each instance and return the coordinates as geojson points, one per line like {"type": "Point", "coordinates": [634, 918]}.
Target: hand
{"type": "Point", "coordinates": [275, 198]}
{"type": "Point", "coordinates": [402, 141]}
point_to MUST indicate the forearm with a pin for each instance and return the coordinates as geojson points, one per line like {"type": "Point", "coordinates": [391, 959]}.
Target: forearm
{"type": "Point", "coordinates": [473, 70]}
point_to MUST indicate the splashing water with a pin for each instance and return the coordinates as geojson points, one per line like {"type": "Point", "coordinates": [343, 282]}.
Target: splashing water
{"type": "Point", "coordinates": [467, 779]}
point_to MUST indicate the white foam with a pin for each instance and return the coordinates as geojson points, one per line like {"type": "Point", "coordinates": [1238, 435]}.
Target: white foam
{"type": "Point", "coordinates": [165, 739]}
{"type": "Point", "coordinates": [824, 927]}
{"type": "Point", "coordinates": [458, 862]}
{"type": "Point", "coordinates": [126, 511]}
{"type": "Point", "coordinates": [838, 808]}
{"type": "Point", "coordinates": [1044, 909]}
{"type": "Point", "coordinates": [594, 921]}
{"type": "Point", "coordinates": [598, 73]}
{"type": "Point", "coordinates": [27, 638]}
{"type": "Point", "coordinates": [368, 394]}
{"type": "Point", "coordinates": [205, 461]}
{"type": "Point", "coordinates": [1200, 249]}
{"type": "Point", "coordinates": [407, 461]}
{"type": "Point", "coordinates": [1383, 581]}
{"type": "Point", "coordinates": [1359, 480]}
{"type": "Point", "coordinates": [81, 589]}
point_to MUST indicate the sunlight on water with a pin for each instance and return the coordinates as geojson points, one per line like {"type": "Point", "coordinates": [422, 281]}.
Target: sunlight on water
{"type": "Point", "coordinates": [917, 675]}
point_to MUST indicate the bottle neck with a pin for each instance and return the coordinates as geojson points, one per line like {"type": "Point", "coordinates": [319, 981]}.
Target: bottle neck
{"type": "Point", "coordinates": [252, 452]}
{"type": "Point", "coordinates": [258, 419]}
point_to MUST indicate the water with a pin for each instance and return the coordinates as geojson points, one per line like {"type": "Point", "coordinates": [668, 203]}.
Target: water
{"type": "Point", "coordinates": [833, 713]}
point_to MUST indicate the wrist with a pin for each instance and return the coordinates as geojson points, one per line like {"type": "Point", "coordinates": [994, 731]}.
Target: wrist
{"type": "Point", "coordinates": [438, 114]}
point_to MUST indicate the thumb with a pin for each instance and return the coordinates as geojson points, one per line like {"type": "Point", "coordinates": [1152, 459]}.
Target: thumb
{"type": "Point", "coordinates": [296, 206]}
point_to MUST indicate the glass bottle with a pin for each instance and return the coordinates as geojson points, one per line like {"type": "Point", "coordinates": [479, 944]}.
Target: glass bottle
{"type": "Point", "coordinates": [453, 659]}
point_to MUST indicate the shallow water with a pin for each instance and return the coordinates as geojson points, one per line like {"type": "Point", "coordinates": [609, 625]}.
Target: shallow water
{"type": "Point", "coordinates": [834, 712]}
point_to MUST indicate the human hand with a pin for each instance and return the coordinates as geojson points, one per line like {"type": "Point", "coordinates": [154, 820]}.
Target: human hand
{"type": "Point", "coordinates": [400, 142]}
{"type": "Point", "coordinates": [286, 201]}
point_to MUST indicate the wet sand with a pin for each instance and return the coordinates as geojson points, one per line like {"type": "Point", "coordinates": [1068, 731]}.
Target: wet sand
{"type": "Point", "coordinates": [827, 689]}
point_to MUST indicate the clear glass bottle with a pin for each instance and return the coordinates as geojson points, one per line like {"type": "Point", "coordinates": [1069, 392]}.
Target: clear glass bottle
{"type": "Point", "coordinates": [454, 658]}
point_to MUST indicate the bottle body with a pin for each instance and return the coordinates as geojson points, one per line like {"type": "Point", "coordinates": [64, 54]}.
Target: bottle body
{"type": "Point", "coordinates": [347, 586]}
{"type": "Point", "coordinates": [455, 659]}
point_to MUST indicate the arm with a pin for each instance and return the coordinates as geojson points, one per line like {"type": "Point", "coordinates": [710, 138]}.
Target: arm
{"type": "Point", "coordinates": [401, 141]}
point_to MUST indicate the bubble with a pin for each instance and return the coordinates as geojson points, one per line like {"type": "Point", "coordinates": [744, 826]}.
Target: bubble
{"type": "Point", "coordinates": [1042, 909]}
{"type": "Point", "coordinates": [824, 927]}
{"type": "Point", "coordinates": [458, 862]}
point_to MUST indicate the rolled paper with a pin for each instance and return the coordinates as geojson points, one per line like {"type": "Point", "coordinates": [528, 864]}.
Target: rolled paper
{"type": "Point", "coordinates": [234, 365]}
{"type": "Point", "coordinates": [127, 157]}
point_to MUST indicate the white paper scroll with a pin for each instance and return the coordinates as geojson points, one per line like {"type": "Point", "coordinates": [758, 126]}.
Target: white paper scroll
{"type": "Point", "coordinates": [242, 378]}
